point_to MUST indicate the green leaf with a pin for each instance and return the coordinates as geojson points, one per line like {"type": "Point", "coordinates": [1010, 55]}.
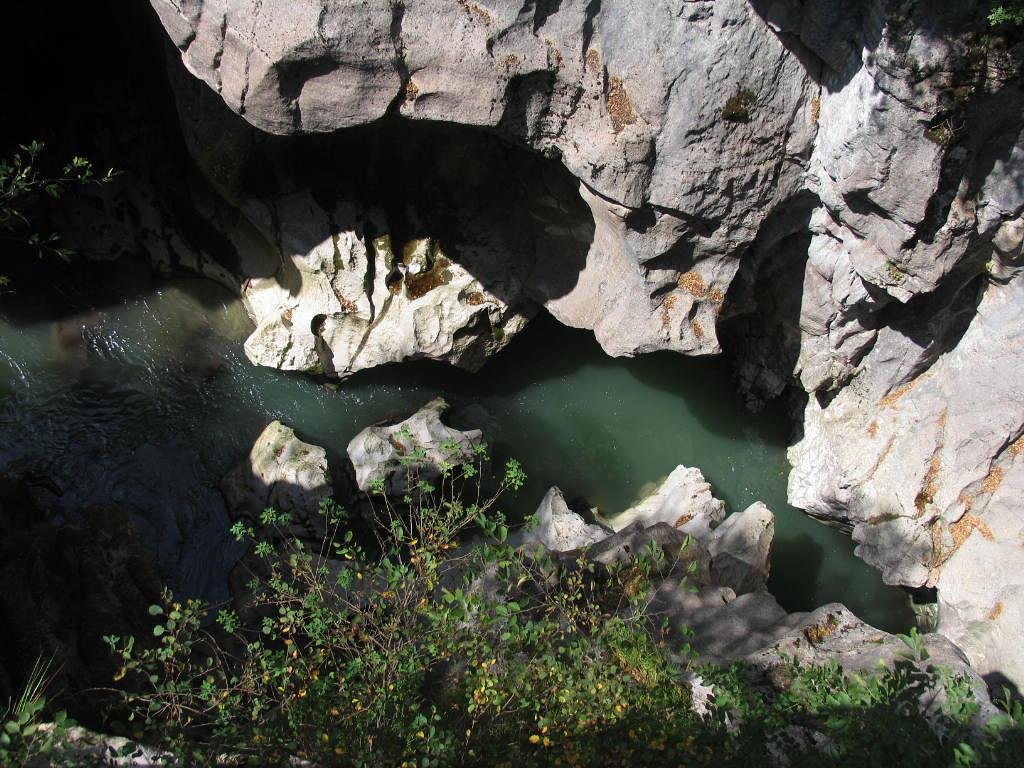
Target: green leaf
{"type": "Point", "coordinates": [156, 610]}
{"type": "Point", "coordinates": [158, 630]}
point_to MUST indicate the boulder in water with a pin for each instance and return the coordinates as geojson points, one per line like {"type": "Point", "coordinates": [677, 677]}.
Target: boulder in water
{"type": "Point", "coordinates": [417, 446]}
{"type": "Point", "coordinates": [284, 473]}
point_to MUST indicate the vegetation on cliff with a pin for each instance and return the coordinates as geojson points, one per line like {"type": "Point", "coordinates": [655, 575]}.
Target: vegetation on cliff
{"type": "Point", "coordinates": [414, 647]}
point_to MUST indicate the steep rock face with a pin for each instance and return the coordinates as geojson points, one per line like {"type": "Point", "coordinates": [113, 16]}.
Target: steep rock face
{"type": "Point", "coordinates": [681, 155]}
{"type": "Point", "coordinates": [847, 172]}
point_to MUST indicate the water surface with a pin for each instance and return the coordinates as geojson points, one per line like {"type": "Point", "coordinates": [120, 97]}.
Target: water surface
{"type": "Point", "coordinates": [147, 401]}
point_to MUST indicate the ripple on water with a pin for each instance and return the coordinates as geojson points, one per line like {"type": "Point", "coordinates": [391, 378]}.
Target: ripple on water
{"type": "Point", "coordinates": [147, 403]}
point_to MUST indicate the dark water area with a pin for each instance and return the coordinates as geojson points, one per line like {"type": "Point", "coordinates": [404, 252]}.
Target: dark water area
{"type": "Point", "coordinates": [123, 389]}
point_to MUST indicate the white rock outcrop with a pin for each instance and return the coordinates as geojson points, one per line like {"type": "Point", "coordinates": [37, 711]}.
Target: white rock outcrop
{"type": "Point", "coordinates": [683, 500]}
{"type": "Point", "coordinates": [410, 450]}
{"type": "Point", "coordinates": [284, 473]}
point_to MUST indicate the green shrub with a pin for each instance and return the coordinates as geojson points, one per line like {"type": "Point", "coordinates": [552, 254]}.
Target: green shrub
{"type": "Point", "coordinates": [23, 185]}
{"type": "Point", "coordinates": [411, 646]}
{"type": "Point", "coordinates": [1011, 14]}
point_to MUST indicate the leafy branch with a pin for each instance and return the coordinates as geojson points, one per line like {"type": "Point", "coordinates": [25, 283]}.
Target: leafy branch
{"type": "Point", "coordinates": [23, 184]}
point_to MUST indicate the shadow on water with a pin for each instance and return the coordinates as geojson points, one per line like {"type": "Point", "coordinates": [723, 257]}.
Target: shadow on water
{"type": "Point", "coordinates": [131, 414]}
{"type": "Point", "coordinates": [604, 429]}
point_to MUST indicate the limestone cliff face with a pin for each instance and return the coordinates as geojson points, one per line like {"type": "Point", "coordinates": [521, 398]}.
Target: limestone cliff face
{"type": "Point", "coordinates": [833, 188]}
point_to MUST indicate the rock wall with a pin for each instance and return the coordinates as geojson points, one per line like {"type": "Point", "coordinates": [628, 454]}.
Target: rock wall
{"type": "Point", "coordinates": [832, 187]}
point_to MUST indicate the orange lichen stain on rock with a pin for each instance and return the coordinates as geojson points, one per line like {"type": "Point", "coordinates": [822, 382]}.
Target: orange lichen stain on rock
{"type": "Point", "coordinates": [815, 109]}
{"type": "Point", "coordinates": [693, 283]}
{"type": "Point", "coordinates": [873, 429]}
{"type": "Point", "coordinates": [928, 486]}
{"type": "Point", "coordinates": [817, 633]}
{"type": "Point", "coordinates": [960, 531]}
{"type": "Point", "coordinates": [891, 398]}
{"type": "Point", "coordinates": [555, 58]}
{"type": "Point", "coordinates": [474, 9]}
{"type": "Point", "coordinates": [1017, 446]}
{"type": "Point", "coordinates": [882, 456]}
{"type": "Point", "coordinates": [475, 298]}
{"type": "Point", "coordinates": [411, 91]}
{"type": "Point", "coordinates": [683, 520]}
{"type": "Point", "coordinates": [966, 525]}
{"type": "Point", "coordinates": [592, 61]}
{"type": "Point", "coordinates": [992, 481]}
{"type": "Point", "coordinates": [348, 305]}
{"type": "Point", "coordinates": [996, 612]}
{"type": "Point", "coordinates": [620, 108]}
{"type": "Point", "coordinates": [697, 328]}
{"type": "Point", "coordinates": [716, 296]}
{"type": "Point", "coordinates": [666, 311]}
{"type": "Point", "coordinates": [510, 62]}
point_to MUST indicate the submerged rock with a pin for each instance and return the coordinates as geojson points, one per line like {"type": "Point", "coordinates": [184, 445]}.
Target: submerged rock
{"type": "Point", "coordinates": [413, 449]}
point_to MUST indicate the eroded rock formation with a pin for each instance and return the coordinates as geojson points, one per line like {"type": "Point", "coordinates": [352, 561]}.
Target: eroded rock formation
{"type": "Point", "coordinates": [833, 188]}
{"type": "Point", "coordinates": [411, 450]}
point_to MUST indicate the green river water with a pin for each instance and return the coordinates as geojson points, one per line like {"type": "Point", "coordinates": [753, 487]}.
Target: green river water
{"type": "Point", "coordinates": [147, 400]}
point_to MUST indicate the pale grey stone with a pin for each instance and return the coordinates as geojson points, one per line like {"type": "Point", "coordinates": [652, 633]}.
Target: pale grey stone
{"type": "Point", "coordinates": [741, 549]}
{"type": "Point", "coordinates": [558, 528]}
{"type": "Point", "coordinates": [284, 473]}
{"type": "Point", "coordinates": [412, 450]}
{"type": "Point", "coordinates": [683, 500]}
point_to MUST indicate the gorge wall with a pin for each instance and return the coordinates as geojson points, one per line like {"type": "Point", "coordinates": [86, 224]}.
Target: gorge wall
{"type": "Point", "coordinates": [831, 190]}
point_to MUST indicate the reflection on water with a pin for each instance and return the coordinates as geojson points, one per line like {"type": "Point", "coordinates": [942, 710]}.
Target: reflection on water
{"type": "Point", "coordinates": [147, 402]}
